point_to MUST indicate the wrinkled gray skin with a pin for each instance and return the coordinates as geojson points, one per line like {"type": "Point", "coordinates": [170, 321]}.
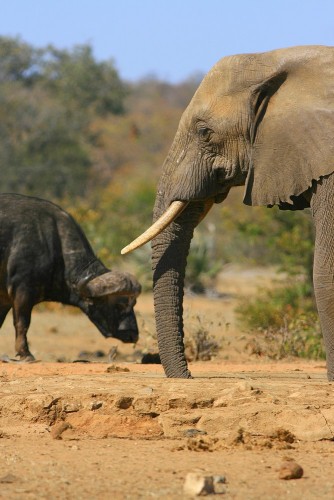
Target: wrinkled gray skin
{"type": "Point", "coordinates": [265, 121]}
{"type": "Point", "coordinates": [45, 256]}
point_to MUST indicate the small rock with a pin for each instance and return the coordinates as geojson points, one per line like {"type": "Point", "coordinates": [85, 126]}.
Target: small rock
{"type": "Point", "coordinates": [245, 385]}
{"type": "Point", "coordinates": [95, 405]}
{"type": "Point", "coordinates": [219, 484]}
{"type": "Point", "coordinates": [123, 402]}
{"type": "Point", "coordinates": [290, 470]}
{"type": "Point", "coordinates": [193, 432]}
{"type": "Point", "coordinates": [196, 484]}
{"type": "Point", "coordinates": [71, 407]}
{"type": "Point", "coordinates": [115, 368]}
{"type": "Point", "coordinates": [146, 390]}
{"type": "Point", "coordinates": [4, 358]}
{"type": "Point", "coordinates": [151, 358]}
{"type": "Point", "coordinates": [58, 429]}
{"type": "Point", "coordinates": [8, 479]}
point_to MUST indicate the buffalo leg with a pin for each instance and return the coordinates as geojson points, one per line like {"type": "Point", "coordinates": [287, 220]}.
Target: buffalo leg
{"type": "Point", "coordinates": [22, 317]}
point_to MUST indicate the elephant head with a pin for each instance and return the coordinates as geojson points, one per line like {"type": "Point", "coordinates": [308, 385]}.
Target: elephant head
{"type": "Point", "coordinates": [260, 120]}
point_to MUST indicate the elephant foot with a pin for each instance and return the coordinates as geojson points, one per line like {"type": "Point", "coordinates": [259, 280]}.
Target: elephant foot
{"type": "Point", "coordinates": [186, 375]}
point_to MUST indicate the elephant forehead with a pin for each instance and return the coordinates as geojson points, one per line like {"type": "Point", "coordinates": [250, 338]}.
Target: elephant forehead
{"type": "Point", "coordinates": [234, 73]}
{"type": "Point", "coordinates": [209, 106]}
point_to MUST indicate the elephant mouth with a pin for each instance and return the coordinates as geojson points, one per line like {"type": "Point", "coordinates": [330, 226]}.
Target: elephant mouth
{"type": "Point", "coordinates": [172, 212]}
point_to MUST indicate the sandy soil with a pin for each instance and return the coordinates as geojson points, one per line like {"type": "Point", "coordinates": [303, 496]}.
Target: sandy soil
{"type": "Point", "coordinates": [110, 427]}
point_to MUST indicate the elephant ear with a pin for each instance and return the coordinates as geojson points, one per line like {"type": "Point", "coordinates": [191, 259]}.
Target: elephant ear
{"type": "Point", "coordinates": [292, 132]}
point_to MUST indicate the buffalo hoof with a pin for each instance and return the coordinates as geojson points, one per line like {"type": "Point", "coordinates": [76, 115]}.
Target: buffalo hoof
{"type": "Point", "coordinates": [4, 358]}
{"type": "Point", "coordinates": [29, 358]}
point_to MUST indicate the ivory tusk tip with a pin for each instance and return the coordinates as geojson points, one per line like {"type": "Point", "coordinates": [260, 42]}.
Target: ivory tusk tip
{"type": "Point", "coordinates": [137, 243]}
{"type": "Point", "coordinates": [157, 227]}
{"type": "Point", "coordinates": [125, 250]}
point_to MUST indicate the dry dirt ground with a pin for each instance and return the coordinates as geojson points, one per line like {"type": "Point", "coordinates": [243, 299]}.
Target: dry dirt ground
{"type": "Point", "coordinates": [109, 427]}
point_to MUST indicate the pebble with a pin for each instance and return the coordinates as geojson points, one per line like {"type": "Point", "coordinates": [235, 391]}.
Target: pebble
{"type": "Point", "coordinates": [198, 485]}
{"type": "Point", "coordinates": [8, 479]}
{"type": "Point", "coordinates": [95, 405]}
{"type": "Point", "coordinates": [71, 407]}
{"type": "Point", "coordinates": [115, 368]}
{"type": "Point", "coordinates": [219, 483]}
{"type": "Point", "coordinates": [194, 432]}
{"type": "Point", "coordinates": [290, 470]}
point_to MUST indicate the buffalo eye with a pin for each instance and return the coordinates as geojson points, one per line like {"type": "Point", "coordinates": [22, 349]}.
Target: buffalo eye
{"type": "Point", "coordinates": [204, 133]}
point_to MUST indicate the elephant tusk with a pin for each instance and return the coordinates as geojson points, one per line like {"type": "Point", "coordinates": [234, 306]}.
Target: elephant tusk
{"type": "Point", "coordinates": [157, 227]}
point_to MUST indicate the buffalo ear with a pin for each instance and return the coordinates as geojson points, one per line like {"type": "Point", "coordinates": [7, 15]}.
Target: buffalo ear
{"type": "Point", "coordinates": [111, 283]}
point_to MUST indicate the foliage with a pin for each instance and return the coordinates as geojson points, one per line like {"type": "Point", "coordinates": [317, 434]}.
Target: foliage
{"type": "Point", "coordinates": [81, 82]}
{"type": "Point", "coordinates": [123, 208]}
{"type": "Point", "coordinates": [202, 268]}
{"type": "Point", "coordinates": [275, 307]}
{"type": "Point", "coordinates": [49, 98]}
{"type": "Point", "coordinates": [17, 61]}
{"type": "Point", "coordinates": [199, 344]}
{"type": "Point", "coordinates": [36, 154]}
{"type": "Point", "coordinates": [259, 235]}
{"type": "Point", "coordinates": [285, 322]}
{"type": "Point", "coordinates": [112, 217]}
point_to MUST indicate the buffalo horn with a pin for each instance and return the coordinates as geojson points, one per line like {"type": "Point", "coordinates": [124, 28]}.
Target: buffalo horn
{"type": "Point", "coordinates": [113, 283]}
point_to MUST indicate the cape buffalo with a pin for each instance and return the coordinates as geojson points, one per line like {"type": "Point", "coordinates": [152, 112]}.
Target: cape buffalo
{"type": "Point", "coordinates": [45, 256]}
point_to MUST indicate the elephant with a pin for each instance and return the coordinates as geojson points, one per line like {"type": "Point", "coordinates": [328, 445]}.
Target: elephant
{"type": "Point", "coordinates": [264, 121]}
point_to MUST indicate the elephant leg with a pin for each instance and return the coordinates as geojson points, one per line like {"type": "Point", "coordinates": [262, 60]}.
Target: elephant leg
{"type": "Point", "coordinates": [322, 206]}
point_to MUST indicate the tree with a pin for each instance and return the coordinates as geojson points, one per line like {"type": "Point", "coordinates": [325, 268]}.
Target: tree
{"type": "Point", "coordinates": [48, 100]}
{"type": "Point", "coordinates": [83, 83]}
{"type": "Point", "coordinates": [18, 61]}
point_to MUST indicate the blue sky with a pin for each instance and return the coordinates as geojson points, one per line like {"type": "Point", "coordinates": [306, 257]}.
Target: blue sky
{"type": "Point", "coordinates": [170, 39]}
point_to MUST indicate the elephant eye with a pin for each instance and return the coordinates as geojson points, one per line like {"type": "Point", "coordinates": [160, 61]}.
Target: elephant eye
{"type": "Point", "coordinates": [204, 133]}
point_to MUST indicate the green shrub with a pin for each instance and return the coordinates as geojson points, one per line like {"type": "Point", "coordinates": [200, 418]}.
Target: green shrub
{"type": "Point", "coordinates": [285, 321]}
{"type": "Point", "coordinates": [199, 344]}
{"type": "Point", "coordinates": [202, 267]}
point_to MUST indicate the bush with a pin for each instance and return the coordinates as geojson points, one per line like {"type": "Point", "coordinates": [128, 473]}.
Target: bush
{"type": "Point", "coordinates": [285, 321]}
{"type": "Point", "coordinates": [202, 267]}
{"type": "Point", "coordinates": [199, 344]}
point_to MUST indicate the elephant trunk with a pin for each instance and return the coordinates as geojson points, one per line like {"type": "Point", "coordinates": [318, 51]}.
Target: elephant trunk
{"type": "Point", "coordinates": [169, 258]}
